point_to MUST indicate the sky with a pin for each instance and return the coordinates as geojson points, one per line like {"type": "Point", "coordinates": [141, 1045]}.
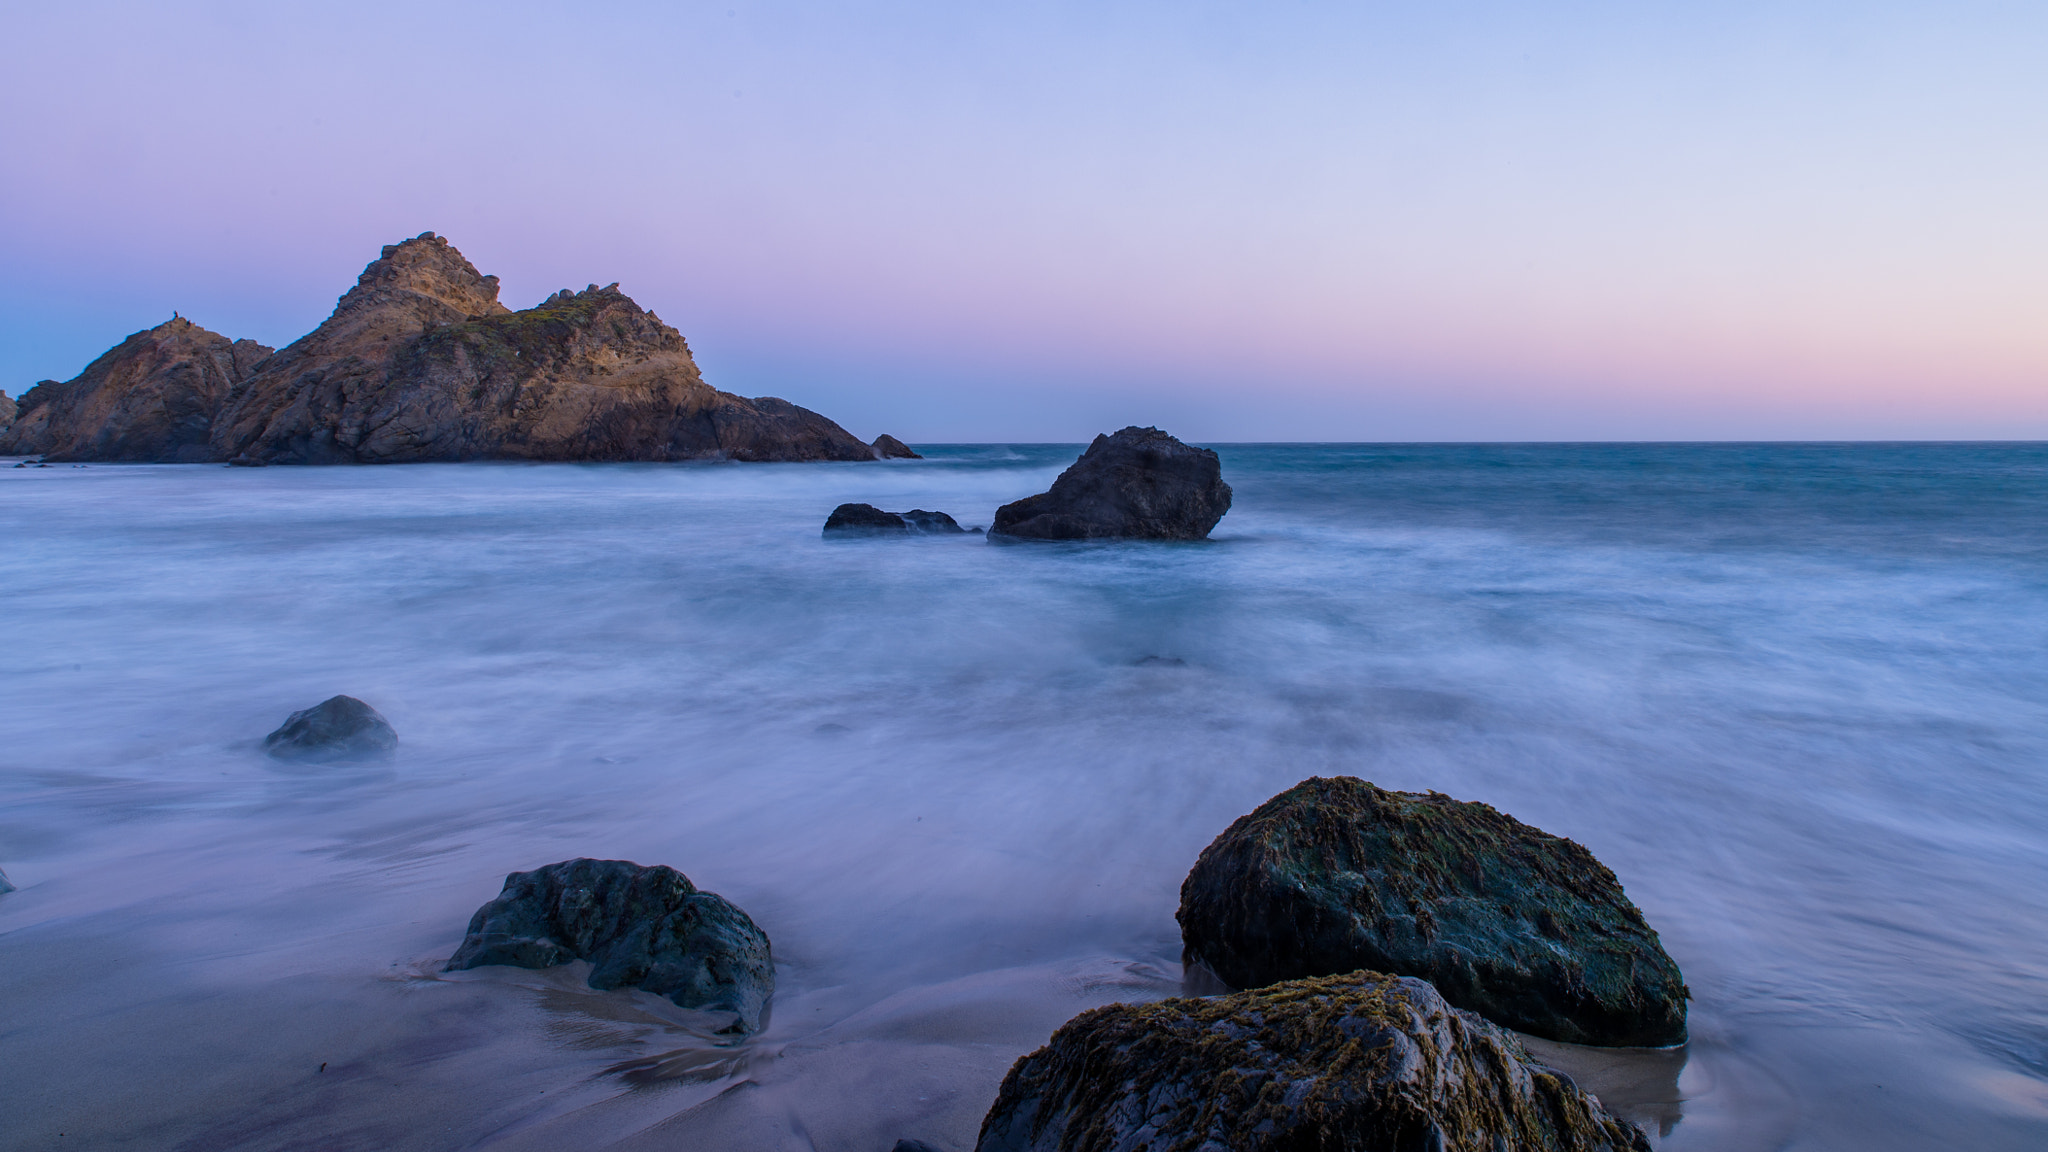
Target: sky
{"type": "Point", "coordinates": [1440, 220]}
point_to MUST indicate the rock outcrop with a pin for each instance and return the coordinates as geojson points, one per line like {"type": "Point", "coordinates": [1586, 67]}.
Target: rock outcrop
{"type": "Point", "coordinates": [7, 411]}
{"type": "Point", "coordinates": [420, 361]}
{"type": "Point", "coordinates": [1359, 1063]}
{"type": "Point", "coordinates": [646, 928]}
{"type": "Point", "coordinates": [1137, 484]}
{"type": "Point", "coordinates": [1522, 927]}
{"type": "Point", "coordinates": [888, 447]}
{"type": "Point", "coordinates": [151, 398]}
{"type": "Point", "coordinates": [337, 728]}
{"type": "Point", "coordinates": [868, 520]}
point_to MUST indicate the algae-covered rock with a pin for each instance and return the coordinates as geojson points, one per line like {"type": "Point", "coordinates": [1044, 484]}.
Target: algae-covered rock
{"type": "Point", "coordinates": [1522, 927]}
{"type": "Point", "coordinates": [1358, 1063]}
{"type": "Point", "coordinates": [1138, 484]}
{"type": "Point", "coordinates": [337, 728]}
{"type": "Point", "coordinates": [646, 928]}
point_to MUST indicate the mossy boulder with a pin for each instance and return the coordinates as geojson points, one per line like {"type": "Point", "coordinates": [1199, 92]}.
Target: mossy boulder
{"type": "Point", "coordinates": [337, 728]}
{"type": "Point", "coordinates": [1525, 928]}
{"type": "Point", "coordinates": [1363, 1062]}
{"type": "Point", "coordinates": [647, 928]}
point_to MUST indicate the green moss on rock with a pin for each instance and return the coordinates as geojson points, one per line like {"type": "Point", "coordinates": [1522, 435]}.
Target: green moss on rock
{"type": "Point", "coordinates": [1357, 1063]}
{"type": "Point", "coordinates": [1522, 927]}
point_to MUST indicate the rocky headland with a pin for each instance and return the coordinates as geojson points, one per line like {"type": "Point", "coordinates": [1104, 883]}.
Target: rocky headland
{"type": "Point", "coordinates": [420, 362]}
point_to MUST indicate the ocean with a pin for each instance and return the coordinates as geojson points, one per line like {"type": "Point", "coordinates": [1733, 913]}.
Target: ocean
{"type": "Point", "coordinates": [1794, 695]}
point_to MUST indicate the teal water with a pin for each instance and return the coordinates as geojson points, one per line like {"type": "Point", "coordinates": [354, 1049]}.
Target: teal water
{"type": "Point", "coordinates": [1795, 695]}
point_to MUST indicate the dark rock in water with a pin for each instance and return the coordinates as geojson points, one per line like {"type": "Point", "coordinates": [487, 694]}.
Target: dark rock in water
{"type": "Point", "coordinates": [152, 397]}
{"type": "Point", "coordinates": [932, 523]}
{"type": "Point", "coordinates": [245, 461]}
{"type": "Point", "coordinates": [1522, 927]}
{"type": "Point", "coordinates": [1358, 1063]}
{"type": "Point", "coordinates": [5, 885]}
{"type": "Point", "coordinates": [1137, 484]}
{"type": "Point", "coordinates": [868, 520]}
{"type": "Point", "coordinates": [646, 928]}
{"type": "Point", "coordinates": [339, 728]}
{"type": "Point", "coordinates": [913, 1146]}
{"type": "Point", "coordinates": [888, 447]}
{"type": "Point", "coordinates": [865, 519]}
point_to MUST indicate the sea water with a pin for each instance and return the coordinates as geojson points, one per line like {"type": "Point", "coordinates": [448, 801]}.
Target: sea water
{"type": "Point", "coordinates": [1796, 696]}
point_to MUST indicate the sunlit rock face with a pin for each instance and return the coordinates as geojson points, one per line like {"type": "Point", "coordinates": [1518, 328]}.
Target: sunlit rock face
{"type": "Point", "coordinates": [1522, 927]}
{"type": "Point", "coordinates": [1355, 1063]}
{"type": "Point", "coordinates": [420, 362]}
{"type": "Point", "coordinates": [151, 398]}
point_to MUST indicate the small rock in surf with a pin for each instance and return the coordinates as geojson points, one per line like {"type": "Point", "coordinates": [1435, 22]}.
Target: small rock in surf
{"type": "Point", "coordinates": [646, 928]}
{"type": "Point", "coordinates": [339, 728]}
{"type": "Point", "coordinates": [1358, 1062]}
{"type": "Point", "coordinates": [868, 520]}
{"type": "Point", "coordinates": [888, 447]}
{"type": "Point", "coordinates": [1139, 484]}
{"type": "Point", "coordinates": [1525, 928]}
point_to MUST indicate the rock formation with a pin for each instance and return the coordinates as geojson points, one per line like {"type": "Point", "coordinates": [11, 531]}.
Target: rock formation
{"type": "Point", "coordinates": [888, 447]}
{"type": "Point", "coordinates": [420, 361]}
{"type": "Point", "coordinates": [1522, 927]}
{"type": "Point", "coordinates": [7, 411]}
{"type": "Point", "coordinates": [1359, 1063]}
{"type": "Point", "coordinates": [152, 398]}
{"type": "Point", "coordinates": [868, 520]}
{"type": "Point", "coordinates": [338, 728]}
{"type": "Point", "coordinates": [639, 927]}
{"type": "Point", "coordinates": [1137, 484]}
{"type": "Point", "coordinates": [5, 885]}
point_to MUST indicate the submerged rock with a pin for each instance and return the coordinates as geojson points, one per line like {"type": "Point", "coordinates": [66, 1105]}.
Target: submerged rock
{"type": "Point", "coordinates": [1138, 484]}
{"type": "Point", "coordinates": [868, 520]}
{"type": "Point", "coordinates": [1522, 927]}
{"type": "Point", "coordinates": [151, 398]}
{"type": "Point", "coordinates": [646, 928]}
{"type": "Point", "coordinates": [338, 728]}
{"type": "Point", "coordinates": [888, 447]}
{"type": "Point", "coordinates": [1358, 1063]}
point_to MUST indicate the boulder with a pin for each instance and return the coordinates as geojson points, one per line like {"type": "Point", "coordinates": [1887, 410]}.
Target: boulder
{"type": "Point", "coordinates": [1363, 1062]}
{"type": "Point", "coordinates": [151, 398]}
{"type": "Point", "coordinates": [1138, 484]}
{"type": "Point", "coordinates": [868, 520]}
{"type": "Point", "coordinates": [420, 361]}
{"type": "Point", "coordinates": [1525, 928]}
{"type": "Point", "coordinates": [888, 447]}
{"type": "Point", "coordinates": [338, 728]}
{"type": "Point", "coordinates": [647, 928]}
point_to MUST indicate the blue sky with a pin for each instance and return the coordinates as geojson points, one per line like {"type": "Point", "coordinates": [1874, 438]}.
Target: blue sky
{"type": "Point", "coordinates": [1035, 221]}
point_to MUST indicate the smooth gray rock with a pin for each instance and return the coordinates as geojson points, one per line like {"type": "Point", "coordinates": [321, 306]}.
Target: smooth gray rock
{"type": "Point", "coordinates": [1139, 484]}
{"type": "Point", "coordinates": [1358, 1063]}
{"type": "Point", "coordinates": [338, 728]}
{"type": "Point", "coordinates": [1527, 929]}
{"type": "Point", "coordinates": [647, 928]}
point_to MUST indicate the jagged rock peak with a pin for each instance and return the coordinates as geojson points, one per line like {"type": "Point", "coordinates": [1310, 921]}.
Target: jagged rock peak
{"type": "Point", "coordinates": [426, 265]}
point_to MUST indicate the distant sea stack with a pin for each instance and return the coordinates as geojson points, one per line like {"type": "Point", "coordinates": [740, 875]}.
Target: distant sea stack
{"type": "Point", "coordinates": [420, 362]}
{"type": "Point", "coordinates": [888, 447]}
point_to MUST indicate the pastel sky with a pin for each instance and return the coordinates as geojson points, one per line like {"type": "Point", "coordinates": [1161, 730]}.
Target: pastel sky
{"type": "Point", "coordinates": [1441, 220]}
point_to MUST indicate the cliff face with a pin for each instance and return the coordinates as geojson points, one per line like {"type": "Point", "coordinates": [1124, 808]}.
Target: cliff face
{"type": "Point", "coordinates": [152, 397]}
{"type": "Point", "coordinates": [420, 361]}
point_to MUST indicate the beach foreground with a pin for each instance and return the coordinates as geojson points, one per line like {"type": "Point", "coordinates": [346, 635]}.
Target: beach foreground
{"type": "Point", "coordinates": [1791, 694]}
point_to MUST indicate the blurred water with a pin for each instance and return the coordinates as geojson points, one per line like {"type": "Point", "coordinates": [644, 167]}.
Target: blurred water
{"type": "Point", "coordinates": [1792, 694]}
